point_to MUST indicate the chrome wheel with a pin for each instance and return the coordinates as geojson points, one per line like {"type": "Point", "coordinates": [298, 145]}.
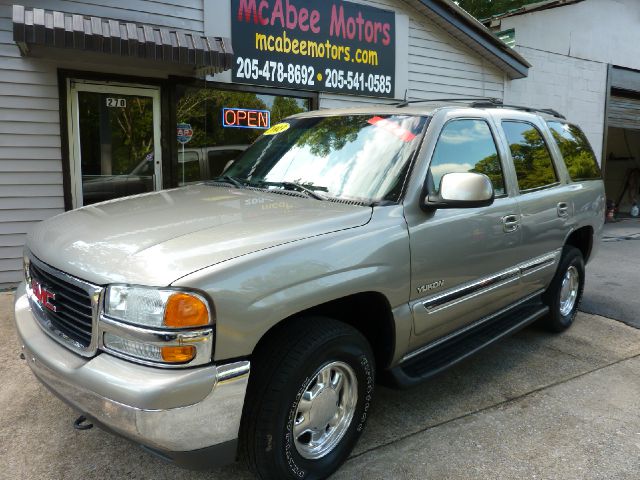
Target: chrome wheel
{"type": "Point", "coordinates": [325, 410]}
{"type": "Point", "coordinates": [569, 290]}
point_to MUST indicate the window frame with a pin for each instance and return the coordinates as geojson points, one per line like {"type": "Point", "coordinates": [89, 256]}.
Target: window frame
{"type": "Point", "coordinates": [427, 191]}
{"type": "Point", "coordinates": [558, 181]}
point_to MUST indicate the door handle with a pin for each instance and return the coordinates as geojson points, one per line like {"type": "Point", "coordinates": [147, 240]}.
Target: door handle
{"type": "Point", "coordinates": [510, 223]}
{"type": "Point", "coordinates": [563, 209]}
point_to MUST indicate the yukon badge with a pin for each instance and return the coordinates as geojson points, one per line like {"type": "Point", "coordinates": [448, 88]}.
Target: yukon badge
{"type": "Point", "coordinates": [430, 286]}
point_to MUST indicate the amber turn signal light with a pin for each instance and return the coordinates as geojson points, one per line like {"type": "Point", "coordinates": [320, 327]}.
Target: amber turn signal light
{"type": "Point", "coordinates": [178, 354]}
{"type": "Point", "coordinates": [184, 310]}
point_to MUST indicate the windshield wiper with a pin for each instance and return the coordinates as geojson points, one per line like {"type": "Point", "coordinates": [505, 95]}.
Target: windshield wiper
{"type": "Point", "coordinates": [309, 190]}
{"type": "Point", "coordinates": [236, 182]}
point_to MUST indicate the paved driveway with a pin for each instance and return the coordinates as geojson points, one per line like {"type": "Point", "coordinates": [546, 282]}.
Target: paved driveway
{"type": "Point", "coordinates": [534, 406]}
{"type": "Point", "coordinates": [613, 277]}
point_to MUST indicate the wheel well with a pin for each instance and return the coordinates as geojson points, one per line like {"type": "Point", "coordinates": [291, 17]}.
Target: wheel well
{"type": "Point", "coordinates": [367, 312]}
{"type": "Point", "coordinates": [582, 239]}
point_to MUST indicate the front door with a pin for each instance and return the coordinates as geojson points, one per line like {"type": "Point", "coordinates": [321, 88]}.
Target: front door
{"type": "Point", "coordinates": [114, 140]}
{"type": "Point", "coordinates": [463, 260]}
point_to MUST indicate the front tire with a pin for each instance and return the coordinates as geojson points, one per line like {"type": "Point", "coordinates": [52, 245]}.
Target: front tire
{"type": "Point", "coordinates": [565, 291]}
{"type": "Point", "coordinates": [308, 399]}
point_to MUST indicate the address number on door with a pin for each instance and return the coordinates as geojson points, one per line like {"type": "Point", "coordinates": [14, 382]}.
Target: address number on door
{"type": "Point", "coordinates": [116, 102]}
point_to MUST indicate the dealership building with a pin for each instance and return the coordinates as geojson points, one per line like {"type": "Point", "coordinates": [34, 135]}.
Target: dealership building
{"type": "Point", "coordinates": [101, 99]}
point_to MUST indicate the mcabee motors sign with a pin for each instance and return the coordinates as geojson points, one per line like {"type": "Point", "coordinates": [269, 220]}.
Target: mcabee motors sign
{"type": "Point", "coordinates": [321, 45]}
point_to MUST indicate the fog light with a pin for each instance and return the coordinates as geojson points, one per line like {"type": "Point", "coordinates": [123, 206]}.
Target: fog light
{"type": "Point", "coordinates": [143, 351]}
{"type": "Point", "coordinates": [149, 352]}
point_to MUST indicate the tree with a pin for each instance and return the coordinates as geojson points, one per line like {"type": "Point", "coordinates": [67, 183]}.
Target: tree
{"type": "Point", "coordinates": [486, 8]}
{"type": "Point", "coordinates": [202, 109]}
{"type": "Point", "coordinates": [283, 107]}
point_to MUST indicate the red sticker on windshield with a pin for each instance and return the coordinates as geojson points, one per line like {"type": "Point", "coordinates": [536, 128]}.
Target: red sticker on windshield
{"type": "Point", "coordinates": [393, 127]}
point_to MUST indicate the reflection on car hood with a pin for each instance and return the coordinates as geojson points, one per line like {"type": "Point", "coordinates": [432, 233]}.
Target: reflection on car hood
{"type": "Point", "coordinates": [156, 238]}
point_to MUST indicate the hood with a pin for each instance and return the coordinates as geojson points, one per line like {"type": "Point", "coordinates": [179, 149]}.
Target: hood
{"type": "Point", "coordinates": [156, 238]}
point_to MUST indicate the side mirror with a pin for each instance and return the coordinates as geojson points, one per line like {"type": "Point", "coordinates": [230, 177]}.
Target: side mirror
{"type": "Point", "coordinates": [461, 190]}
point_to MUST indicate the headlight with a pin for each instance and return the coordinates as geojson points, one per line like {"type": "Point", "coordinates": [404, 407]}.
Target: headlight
{"type": "Point", "coordinates": [157, 326]}
{"type": "Point", "coordinates": [157, 308]}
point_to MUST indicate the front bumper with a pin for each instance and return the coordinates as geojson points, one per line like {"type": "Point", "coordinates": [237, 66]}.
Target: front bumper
{"type": "Point", "coordinates": [183, 415]}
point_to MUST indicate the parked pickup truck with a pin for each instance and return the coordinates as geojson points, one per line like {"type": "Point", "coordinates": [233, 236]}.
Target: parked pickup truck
{"type": "Point", "coordinates": [251, 316]}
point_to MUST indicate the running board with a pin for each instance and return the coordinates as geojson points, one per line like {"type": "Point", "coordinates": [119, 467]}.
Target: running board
{"type": "Point", "coordinates": [447, 353]}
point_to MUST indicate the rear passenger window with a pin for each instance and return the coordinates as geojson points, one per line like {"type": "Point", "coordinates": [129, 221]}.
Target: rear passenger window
{"type": "Point", "coordinates": [531, 157]}
{"type": "Point", "coordinates": [576, 151]}
{"type": "Point", "coordinates": [467, 146]}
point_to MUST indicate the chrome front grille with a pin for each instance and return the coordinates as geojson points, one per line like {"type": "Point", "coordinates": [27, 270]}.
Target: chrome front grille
{"type": "Point", "coordinates": [65, 306]}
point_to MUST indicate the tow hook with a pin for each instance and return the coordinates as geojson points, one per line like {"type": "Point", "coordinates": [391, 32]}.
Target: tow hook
{"type": "Point", "coordinates": [80, 424]}
{"type": "Point", "coordinates": [22, 357]}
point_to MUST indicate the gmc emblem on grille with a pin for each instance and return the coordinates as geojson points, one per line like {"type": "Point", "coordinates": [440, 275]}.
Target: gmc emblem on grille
{"type": "Point", "coordinates": [43, 295]}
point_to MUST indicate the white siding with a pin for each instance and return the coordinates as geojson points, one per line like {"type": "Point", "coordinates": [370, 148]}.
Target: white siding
{"type": "Point", "coordinates": [440, 66]}
{"type": "Point", "coordinates": [30, 153]}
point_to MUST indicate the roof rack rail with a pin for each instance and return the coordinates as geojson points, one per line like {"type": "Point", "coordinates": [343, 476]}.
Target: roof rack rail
{"type": "Point", "coordinates": [499, 104]}
{"type": "Point", "coordinates": [404, 103]}
{"type": "Point", "coordinates": [484, 102]}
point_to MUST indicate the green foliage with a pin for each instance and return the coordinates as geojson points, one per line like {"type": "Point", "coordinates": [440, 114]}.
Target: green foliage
{"type": "Point", "coordinates": [284, 107]}
{"type": "Point", "coordinates": [202, 109]}
{"type": "Point", "coordinates": [532, 160]}
{"type": "Point", "coordinates": [331, 134]}
{"type": "Point", "coordinates": [126, 131]}
{"type": "Point", "coordinates": [132, 129]}
{"type": "Point", "coordinates": [492, 168]}
{"type": "Point", "coordinates": [576, 152]}
{"type": "Point", "coordinates": [486, 8]}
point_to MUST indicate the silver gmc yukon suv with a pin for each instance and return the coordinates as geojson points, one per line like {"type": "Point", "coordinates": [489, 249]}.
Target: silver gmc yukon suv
{"type": "Point", "coordinates": [251, 316]}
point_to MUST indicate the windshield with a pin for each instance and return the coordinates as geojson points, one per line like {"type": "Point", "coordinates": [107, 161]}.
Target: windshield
{"type": "Point", "coordinates": [362, 158]}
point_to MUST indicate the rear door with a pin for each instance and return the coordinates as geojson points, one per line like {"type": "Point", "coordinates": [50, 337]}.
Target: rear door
{"type": "Point", "coordinates": [544, 197]}
{"type": "Point", "coordinates": [462, 260]}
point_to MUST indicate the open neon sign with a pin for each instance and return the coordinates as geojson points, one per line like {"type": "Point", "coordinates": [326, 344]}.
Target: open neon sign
{"type": "Point", "coordinates": [246, 118]}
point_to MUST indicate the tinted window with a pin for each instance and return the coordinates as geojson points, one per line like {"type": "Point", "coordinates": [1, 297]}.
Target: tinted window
{"type": "Point", "coordinates": [467, 146]}
{"type": "Point", "coordinates": [576, 151]}
{"type": "Point", "coordinates": [534, 167]}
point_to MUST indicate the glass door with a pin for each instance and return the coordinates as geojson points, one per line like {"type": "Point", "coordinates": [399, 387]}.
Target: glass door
{"type": "Point", "coordinates": [115, 141]}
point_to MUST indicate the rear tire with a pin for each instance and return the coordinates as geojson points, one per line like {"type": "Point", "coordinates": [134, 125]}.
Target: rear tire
{"type": "Point", "coordinates": [308, 399]}
{"type": "Point", "coordinates": [565, 291]}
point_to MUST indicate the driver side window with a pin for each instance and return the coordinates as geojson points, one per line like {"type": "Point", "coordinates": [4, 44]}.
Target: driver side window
{"type": "Point", "coordinates": [466, 145]}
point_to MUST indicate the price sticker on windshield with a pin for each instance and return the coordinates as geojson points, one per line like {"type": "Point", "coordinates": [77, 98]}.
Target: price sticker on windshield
{"type": "Point", "coordinates": [279, 128]}
{"type": "Point", "coordinates": [393, 128]}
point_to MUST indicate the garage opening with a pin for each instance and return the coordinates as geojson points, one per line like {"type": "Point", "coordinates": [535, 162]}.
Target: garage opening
{"type": "Point", "coordinates": [622, 173]}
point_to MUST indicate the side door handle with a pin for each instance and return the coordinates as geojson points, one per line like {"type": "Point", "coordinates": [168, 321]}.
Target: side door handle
{"type": "Point", "coordinates": [563, 209]}
{"type": "Point", "coordinates": [510, 223]}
